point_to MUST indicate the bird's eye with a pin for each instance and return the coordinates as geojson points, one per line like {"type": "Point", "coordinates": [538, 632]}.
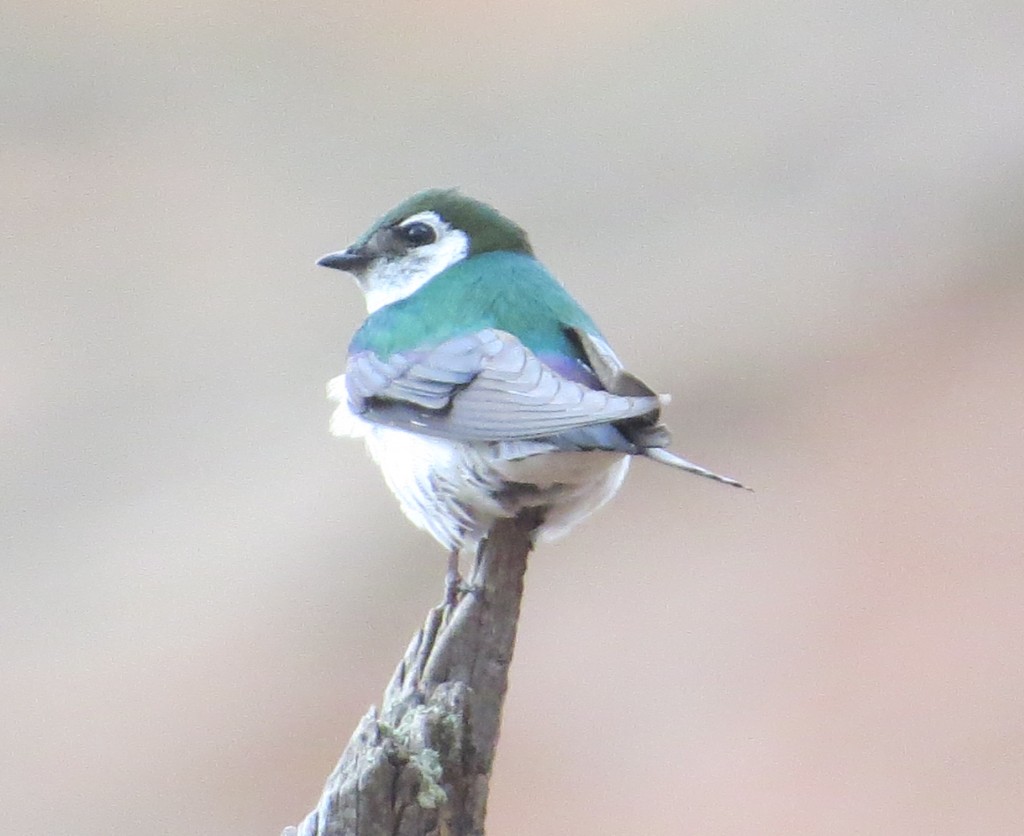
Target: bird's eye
{"type": "Point", "coordinates": [417, 234]}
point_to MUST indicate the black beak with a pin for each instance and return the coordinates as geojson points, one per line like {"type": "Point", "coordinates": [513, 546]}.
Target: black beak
{"type": "Point", "coordinates": [350, 260]}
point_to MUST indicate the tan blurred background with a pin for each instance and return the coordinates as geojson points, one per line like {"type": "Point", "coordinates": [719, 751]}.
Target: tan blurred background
{"type": "Point", "coordinates": [804, 219]}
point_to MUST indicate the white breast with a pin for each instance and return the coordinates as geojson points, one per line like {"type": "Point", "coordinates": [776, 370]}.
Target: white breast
{"type": "Point", "coordinates": [455, 491]}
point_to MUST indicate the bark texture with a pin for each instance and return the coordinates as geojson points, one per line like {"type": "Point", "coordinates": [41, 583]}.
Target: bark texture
{"type": "Point", "coordinates": [421, 766]}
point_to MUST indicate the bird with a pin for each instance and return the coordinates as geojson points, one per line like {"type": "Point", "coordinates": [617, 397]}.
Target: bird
{"type": "Point", "coordinates": [480, 387]}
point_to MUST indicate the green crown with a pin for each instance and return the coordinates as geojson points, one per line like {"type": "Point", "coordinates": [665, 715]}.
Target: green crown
{"type": "Point", "coordinates": [488, 230]}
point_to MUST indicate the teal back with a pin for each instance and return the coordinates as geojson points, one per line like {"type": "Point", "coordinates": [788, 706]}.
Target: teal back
{"type": "Point", "coordinates": [505, 290]}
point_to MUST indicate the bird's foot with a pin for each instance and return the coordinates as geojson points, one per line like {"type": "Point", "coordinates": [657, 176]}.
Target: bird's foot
{"type": "Point", "coordinates": [453, 588]}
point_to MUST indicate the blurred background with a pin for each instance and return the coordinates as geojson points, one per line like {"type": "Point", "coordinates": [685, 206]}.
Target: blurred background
{"type": "Point", "coordinates": [803, 219]}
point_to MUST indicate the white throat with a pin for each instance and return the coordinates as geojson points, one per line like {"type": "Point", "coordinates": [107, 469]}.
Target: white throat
{"type": "Point", "coordinates": [388, 281]}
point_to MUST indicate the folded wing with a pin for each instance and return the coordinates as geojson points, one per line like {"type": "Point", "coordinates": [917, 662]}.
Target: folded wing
{"type": "Point", "coordinates": [485, 386]}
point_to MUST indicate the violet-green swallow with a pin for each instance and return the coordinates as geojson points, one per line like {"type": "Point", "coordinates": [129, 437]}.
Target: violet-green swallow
{"type": "Point", "coordinates": [479, 385]}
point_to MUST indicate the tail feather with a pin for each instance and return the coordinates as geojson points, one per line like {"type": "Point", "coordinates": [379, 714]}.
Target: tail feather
{"type": "Point", "coordinates": [660, 454]}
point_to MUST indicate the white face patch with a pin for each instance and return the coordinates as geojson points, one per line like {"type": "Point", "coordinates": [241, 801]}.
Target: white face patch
{"type": "Point", "coordinates": [391, 279]}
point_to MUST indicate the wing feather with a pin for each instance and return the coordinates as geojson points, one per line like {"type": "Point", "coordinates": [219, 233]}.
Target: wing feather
{"type": "Point", "coordinates": [485, 386]}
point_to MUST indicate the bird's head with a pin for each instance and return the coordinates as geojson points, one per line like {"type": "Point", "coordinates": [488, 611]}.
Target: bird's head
{"type": "Point", "coordinates": [422, 236]}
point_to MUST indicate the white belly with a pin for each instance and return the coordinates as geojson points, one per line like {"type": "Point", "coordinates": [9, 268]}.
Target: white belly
{"type": "Point", "coordinates": [455, 491]}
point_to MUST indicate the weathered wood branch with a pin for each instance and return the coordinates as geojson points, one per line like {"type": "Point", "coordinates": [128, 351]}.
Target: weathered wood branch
{"type": "Point", "coordinates": [421, 766]}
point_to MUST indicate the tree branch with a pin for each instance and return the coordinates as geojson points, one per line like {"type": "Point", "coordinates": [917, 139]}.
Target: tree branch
{"type": "Point", "coordinates": [422, 765]}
